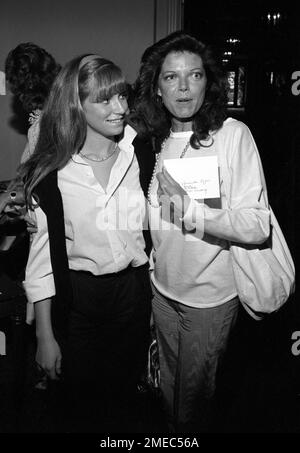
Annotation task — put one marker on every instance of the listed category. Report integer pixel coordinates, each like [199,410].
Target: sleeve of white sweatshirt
[39,281]
[248,219]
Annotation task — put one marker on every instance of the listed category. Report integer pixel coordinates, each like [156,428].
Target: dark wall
[118,29]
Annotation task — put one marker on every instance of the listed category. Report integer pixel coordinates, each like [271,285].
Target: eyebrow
[175,70]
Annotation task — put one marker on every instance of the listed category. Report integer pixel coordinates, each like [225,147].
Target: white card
[198,176]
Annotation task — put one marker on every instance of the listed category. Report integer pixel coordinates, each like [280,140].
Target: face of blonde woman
[107,116]
[181,85]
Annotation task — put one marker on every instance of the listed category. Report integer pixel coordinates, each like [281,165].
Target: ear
[158,92]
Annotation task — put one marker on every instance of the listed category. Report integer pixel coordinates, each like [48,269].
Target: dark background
[271,110]
[262,374]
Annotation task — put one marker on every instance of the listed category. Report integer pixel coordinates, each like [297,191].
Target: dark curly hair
[30,71]
[149,115]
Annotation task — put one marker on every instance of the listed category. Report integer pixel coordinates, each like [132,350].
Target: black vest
[50,201]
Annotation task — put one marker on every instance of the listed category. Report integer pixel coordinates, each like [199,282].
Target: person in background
[13,209]
[11,203]
[180,102]
[30,71]
[87,272]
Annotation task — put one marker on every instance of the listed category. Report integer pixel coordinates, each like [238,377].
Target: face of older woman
[181,85]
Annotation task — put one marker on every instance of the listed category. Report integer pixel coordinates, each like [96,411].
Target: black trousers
[106,350]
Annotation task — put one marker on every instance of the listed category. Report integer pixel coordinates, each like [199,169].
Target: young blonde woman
[87,273]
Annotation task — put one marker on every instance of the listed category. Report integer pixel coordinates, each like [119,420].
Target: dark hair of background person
[63,124]
[148,113]
[30,71]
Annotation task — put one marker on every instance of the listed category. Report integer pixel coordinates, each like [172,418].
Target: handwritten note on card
[198,176]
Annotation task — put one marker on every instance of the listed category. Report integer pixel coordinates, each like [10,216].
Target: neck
[181,125]
[98,145]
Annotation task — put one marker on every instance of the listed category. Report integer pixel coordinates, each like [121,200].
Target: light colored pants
[191,343]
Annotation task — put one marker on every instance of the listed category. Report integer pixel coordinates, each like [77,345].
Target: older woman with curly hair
[180,102]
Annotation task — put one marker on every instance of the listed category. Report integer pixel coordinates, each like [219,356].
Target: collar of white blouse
[125,144]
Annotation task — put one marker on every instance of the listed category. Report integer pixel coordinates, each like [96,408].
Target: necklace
[156,166]
[101,159]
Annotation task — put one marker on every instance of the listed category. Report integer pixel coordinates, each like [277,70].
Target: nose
[119,105]
[183,84]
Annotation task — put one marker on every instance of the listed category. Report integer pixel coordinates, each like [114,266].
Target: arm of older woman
[172,190]
[248,219]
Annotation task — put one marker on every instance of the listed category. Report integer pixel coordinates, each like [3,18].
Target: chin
[116,130]
[119,130]
[184,114]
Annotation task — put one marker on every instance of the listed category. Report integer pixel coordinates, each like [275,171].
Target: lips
[116,121]
[185,100]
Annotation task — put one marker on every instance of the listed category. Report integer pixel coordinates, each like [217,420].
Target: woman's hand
[169,190]
[48,357]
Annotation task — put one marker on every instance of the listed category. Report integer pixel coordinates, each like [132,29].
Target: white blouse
[103,227]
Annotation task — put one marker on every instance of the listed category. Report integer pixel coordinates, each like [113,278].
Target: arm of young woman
[48,354]
[40,288]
